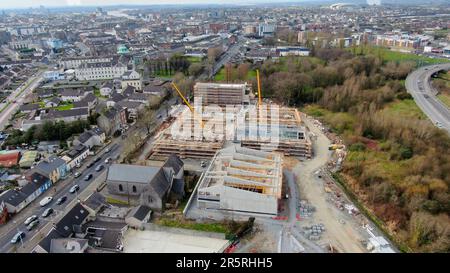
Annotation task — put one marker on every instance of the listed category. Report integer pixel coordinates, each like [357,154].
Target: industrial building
[222,94]
[242,180]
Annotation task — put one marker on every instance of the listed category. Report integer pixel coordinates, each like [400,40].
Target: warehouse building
[242,180]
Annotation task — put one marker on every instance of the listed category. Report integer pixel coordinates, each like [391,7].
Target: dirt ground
[342,230]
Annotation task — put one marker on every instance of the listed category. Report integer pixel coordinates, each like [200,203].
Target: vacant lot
[167,242]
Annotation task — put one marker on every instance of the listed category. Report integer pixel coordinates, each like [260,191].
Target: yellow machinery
[187,103]
[259,87]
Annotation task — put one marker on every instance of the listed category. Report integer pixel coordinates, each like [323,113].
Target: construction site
[266,161]
[242,180]
[201,134]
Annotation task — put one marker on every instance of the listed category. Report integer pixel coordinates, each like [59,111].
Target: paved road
[17,98]
[63,190]
[419,86]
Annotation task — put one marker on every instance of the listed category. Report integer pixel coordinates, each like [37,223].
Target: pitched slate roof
[141,212]
[74,217]
[132,173]
[49,165]
[29,107]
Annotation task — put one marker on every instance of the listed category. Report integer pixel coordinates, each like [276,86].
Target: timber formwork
[165,146]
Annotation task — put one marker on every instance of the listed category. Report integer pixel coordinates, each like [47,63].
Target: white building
[54,75]
[71,63]
[100,71]
[131,78]
[242,180]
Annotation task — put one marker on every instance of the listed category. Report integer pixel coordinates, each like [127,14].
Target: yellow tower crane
[259,87]
[187,103]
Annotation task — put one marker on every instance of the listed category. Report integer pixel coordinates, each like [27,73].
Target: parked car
[90,165]
[61,200]
[30,219]
[99,168]
[97,159]
[108,160]
[78,165]
[44,202]
[107,150]
[74,189]
[77,174]
[33,225]
[87,177]
[47,212]
[18,237]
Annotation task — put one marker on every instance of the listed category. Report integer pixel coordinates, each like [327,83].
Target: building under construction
[222,94]
[242,180]
[201,134]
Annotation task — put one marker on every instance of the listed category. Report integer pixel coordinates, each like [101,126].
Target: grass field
[405,108]
[209,227]
[194,59]
[64,107]
[389,55]
[221,75]
[445,98]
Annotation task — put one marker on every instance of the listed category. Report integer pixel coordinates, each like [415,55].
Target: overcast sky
[59,3]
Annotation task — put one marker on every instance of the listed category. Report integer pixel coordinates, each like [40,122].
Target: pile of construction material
[314,232]
[306,209]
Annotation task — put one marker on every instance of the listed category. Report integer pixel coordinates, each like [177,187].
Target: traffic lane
[418,85]
[114,151]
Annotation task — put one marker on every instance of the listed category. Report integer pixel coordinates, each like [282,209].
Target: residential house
[67,227]
[17,199]
[45,93]
[138,216]
[75,156]
[131,78]
[152,185]
[28,108]
[89,101]
[128,90]
[138,97]
[68,115]
[107,89]
[53,102]
[91,138]
[115,98]
[114,119]
[53,167]
[71,95]
[133,107]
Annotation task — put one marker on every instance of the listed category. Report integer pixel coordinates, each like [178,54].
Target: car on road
[47,212]
[87,177]
[77,174]
[30,219]
[439,125]
[99,168]
[107,150]
[61,200]
[97,159]
[44,202]
[18,237]
[108,160]
[74,189]
[33,225]
[90,165]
